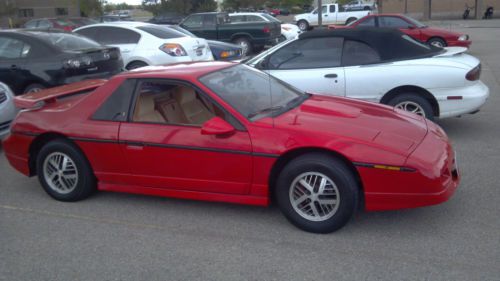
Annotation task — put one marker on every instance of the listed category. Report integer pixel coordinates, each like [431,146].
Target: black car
[31,60]
[167,18]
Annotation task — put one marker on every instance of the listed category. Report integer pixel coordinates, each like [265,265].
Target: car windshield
[67,41]
[253,93]
[270,18]
[416,22]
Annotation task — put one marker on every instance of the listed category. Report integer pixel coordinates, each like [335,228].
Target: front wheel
[317,193]
[303,25]
[413,103]
[437,42]
[245,44]
[64,172]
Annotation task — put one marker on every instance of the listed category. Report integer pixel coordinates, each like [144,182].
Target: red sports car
[435,36]
[226,132]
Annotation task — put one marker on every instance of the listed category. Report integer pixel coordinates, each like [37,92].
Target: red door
[180,157]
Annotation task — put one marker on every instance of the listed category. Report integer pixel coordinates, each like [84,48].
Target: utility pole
[320,13]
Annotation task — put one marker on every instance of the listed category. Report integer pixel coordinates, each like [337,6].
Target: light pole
[320,13]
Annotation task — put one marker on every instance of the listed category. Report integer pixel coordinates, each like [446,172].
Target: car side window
[44,24]
[358,53]
[165,102]
[235,19]
[370,21]
[90,32]
[11,48]
[308,53]
[209,21]
[394,22]
[31,24]
[107,35]
[193,21]
[253,18]
[116,107]
[332,8]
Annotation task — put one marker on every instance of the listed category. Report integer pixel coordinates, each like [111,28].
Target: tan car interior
[176,105]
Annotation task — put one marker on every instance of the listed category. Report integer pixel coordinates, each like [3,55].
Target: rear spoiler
[451,51]
[38,99]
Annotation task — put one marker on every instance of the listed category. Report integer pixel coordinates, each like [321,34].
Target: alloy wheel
[60,172]
[412,107]
[314,196]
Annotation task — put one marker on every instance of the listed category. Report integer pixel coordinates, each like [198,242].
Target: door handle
[135,145]
[331,75]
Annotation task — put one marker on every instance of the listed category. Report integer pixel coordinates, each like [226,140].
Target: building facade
[25,10]
[438,9]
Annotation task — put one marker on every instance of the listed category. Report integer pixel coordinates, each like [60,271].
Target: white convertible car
[380,65]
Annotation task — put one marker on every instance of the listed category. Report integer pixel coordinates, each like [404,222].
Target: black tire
[85,181]
[349,20]
[340,175]
[245,44]
[35,87]
[409,98]
[303,25]
[437,42]
[136,64]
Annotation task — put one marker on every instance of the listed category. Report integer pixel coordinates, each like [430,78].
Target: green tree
[90,8]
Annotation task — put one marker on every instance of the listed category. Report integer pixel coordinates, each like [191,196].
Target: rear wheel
[437,42]
[303,25]
[64,172]
[413,103]
[317,193]
[136,64]
[244,43]
[33,88]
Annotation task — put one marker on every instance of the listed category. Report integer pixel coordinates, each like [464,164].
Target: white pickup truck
[332,14]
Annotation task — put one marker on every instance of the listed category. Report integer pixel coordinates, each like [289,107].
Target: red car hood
[335,117]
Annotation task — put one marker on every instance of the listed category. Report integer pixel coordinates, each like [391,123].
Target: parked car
[113,18]
[284,11]
[226,132]
[332,14]
[288,31]
[78,22]
[380,65]
[144,44]
[359,5]
[31,60]
[251,36]
[50,23]
[167,18]
[435,36]
[220,50]
[8,110]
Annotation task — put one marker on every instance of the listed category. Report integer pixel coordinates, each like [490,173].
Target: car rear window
[162,32]
[67,41]
[63,22]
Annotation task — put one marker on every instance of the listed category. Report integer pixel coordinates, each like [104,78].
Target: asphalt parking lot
[129,237]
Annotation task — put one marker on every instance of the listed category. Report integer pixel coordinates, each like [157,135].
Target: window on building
[25,13]
[61,11]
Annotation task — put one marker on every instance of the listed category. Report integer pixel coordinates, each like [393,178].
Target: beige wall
[41,9]
[440,9]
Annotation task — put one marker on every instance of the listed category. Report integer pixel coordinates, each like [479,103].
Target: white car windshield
[253,93]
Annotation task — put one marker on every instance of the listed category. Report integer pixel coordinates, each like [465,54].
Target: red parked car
[50,23]
[208,131]
[435,36]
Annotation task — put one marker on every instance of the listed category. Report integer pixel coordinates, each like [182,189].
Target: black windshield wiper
[265,110]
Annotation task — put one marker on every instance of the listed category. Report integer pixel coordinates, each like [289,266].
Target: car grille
[5,125]
[3,97]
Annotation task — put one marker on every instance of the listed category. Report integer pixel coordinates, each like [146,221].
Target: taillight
[79,62]
[474,74]
[67,28]
[173,49]
[266,29]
